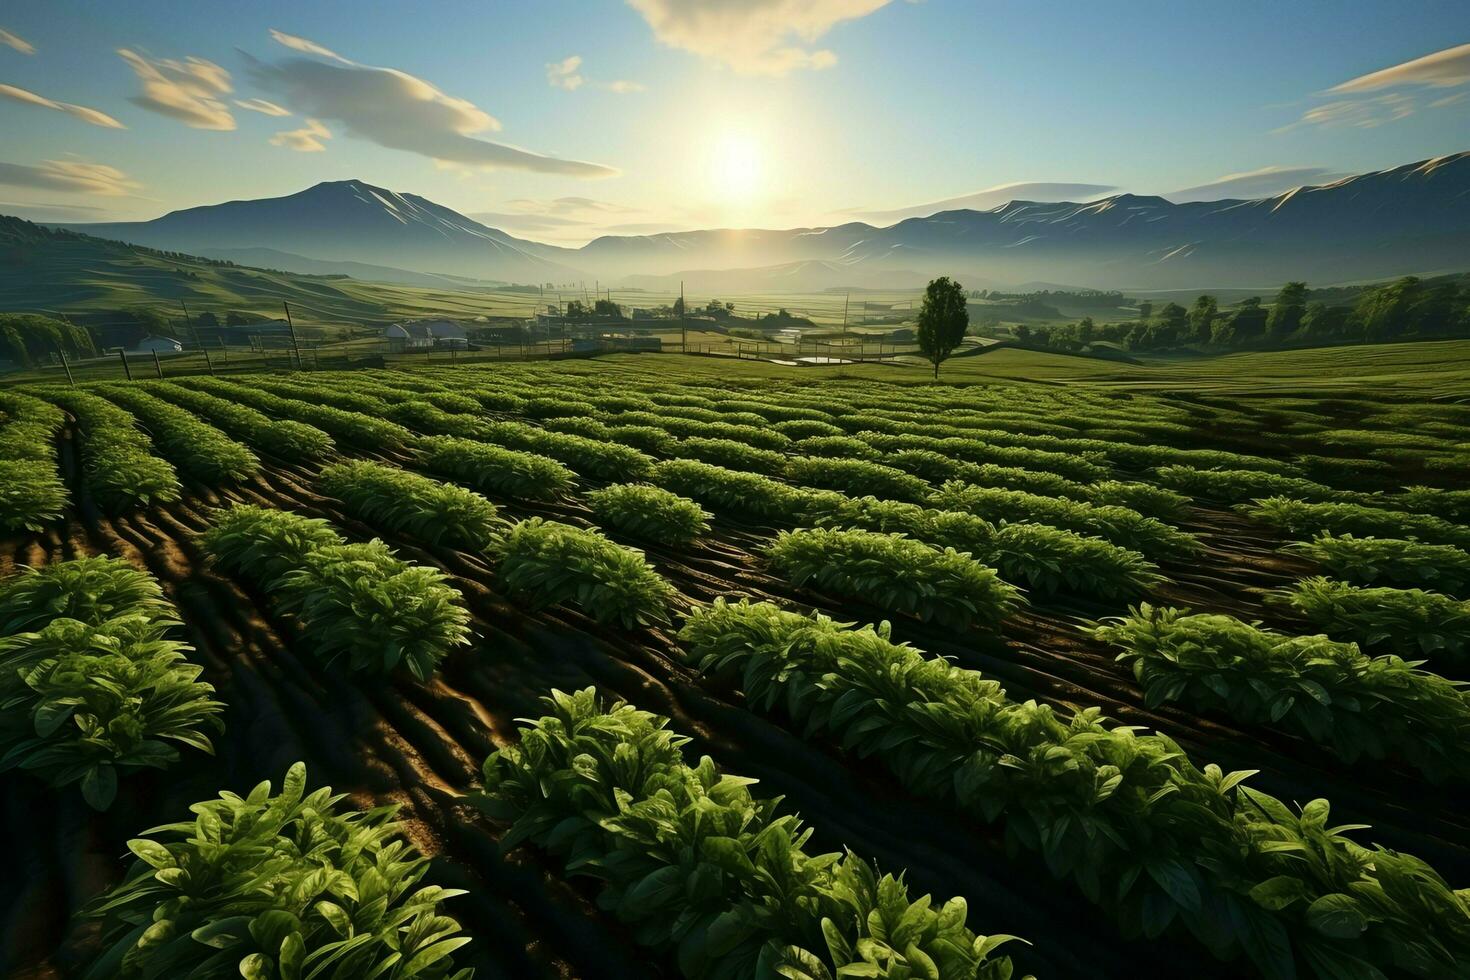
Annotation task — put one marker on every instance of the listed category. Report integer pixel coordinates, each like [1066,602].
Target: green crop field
[670,665]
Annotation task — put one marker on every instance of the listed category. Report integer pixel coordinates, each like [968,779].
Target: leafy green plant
[83,702]
[1145,498]
[549,562]
[280,886]
[361,604]
[1329,692]
[650,513]
[695,864]
[1300,518]
[90,590]
[1409,622]
[367,431]
[744,494]
[197,449]
[590,458]
[495,469]
[388,497]
[32,493]
[895,573]
[840,446]
[1123,814]
[1389,561]
[263,543]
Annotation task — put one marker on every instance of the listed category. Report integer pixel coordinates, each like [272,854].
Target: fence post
[126,370]
[207,362]
[157,364]
[66,367]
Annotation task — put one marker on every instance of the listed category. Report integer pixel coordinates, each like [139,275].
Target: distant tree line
[1408,308]
[28,338]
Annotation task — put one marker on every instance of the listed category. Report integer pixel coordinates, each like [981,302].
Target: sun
[736,169]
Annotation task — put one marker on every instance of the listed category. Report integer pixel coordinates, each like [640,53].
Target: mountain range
[1410,219]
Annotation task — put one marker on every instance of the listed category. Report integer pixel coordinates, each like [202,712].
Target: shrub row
[1409,622]
[1120,525]
[548,562]
[1125,815]
[117,457]
[355,602]
[701,869]
[494,469]
[294,442]
[90,685]
[391,498]
[354,428]
[747,495]
[1389,561]
[587,457]
[895,573]
[1300,518]
[650,513]
[196,449]
[32,493]
[1329,692]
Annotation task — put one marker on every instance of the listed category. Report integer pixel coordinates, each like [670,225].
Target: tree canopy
[943,320]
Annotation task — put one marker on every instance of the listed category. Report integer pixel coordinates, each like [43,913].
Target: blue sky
[696,113]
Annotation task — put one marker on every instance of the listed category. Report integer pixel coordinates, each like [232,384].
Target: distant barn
[424,334]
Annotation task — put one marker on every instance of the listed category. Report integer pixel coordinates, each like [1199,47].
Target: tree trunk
[936,370]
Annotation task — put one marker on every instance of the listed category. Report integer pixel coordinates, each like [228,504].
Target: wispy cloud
[397,110]
[564,74]
[1252,184]
[190,91]
[262,106]
[1367,113]
[764,37]
[307,139]
[15,41]
[567,74]
[1443,68]
[47,211]
[94,116]
[1350,107]
[76,176]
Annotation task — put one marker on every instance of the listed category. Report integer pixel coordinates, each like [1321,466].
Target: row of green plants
[431,511]
[587,457]
[1125,815]
[494,469]
[197,449]
[294,442]
[1240,486]
[1409,622]
[1389,561]
[1040,558]
[1122,526]
[91,685]
[548,562]
[1302,519]
[118,461]
[649,513]
[704,873]
[352,428]
[895,573]
[356,602]
[746,495]
[32,493]
[1329,692]
[284,886]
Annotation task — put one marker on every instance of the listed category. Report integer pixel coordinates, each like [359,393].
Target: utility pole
[189,322]
[292,327]
[683,322]
[846,300]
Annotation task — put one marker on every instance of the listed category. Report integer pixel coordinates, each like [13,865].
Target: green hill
[53,271]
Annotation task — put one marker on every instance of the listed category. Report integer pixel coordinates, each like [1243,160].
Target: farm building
[424,334]
[161,345]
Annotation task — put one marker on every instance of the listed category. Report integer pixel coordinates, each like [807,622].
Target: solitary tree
[943,320]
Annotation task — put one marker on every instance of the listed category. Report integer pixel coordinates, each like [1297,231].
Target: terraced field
[1167,678]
